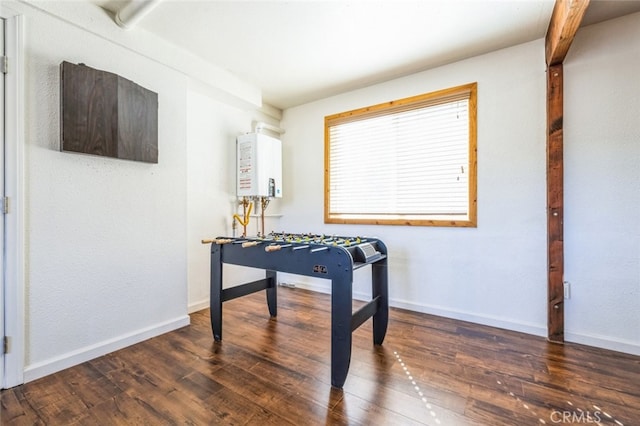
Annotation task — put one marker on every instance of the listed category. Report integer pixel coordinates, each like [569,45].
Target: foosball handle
[272,247]
[216,240]
[250,244]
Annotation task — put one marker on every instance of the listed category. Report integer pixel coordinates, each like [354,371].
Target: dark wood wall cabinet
[105,114]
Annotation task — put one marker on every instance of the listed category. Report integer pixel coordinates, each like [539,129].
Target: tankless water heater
[259,166]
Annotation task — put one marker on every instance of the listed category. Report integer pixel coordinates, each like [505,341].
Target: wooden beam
[565,20]
[555,204]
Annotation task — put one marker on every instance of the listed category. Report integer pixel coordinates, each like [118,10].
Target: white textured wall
[211,157]
[496,274]
[602,184]
[112,250]
[212,128]
[106,239]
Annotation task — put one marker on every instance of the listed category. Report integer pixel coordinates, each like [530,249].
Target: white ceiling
[298,51]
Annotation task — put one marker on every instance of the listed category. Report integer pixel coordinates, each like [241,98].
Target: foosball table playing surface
[329,257]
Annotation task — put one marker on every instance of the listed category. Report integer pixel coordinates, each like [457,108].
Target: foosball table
[329,257]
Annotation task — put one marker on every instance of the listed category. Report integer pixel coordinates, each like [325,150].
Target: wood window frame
[386,108]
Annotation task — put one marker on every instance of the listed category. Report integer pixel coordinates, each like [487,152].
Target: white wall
[106,240]
[106,247]
[490,274]
[602,184]
[496,274]
[112,247]
[211,160]
[212,128]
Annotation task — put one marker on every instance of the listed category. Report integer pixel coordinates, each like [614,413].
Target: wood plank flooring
[429,371]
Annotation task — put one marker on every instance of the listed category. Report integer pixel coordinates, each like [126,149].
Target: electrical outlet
[567,290]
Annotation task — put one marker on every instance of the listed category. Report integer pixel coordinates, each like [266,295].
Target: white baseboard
[53,365]
[311,287]
[487,320]
[443,312]
[198,306]
[604,342]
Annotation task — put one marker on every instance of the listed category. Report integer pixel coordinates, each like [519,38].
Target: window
[406,162]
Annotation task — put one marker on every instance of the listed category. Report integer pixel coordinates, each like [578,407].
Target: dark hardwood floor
[430,370]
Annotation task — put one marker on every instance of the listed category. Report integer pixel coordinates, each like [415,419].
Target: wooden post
[555,189]
[565,21]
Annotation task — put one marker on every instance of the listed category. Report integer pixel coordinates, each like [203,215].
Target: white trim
[487,320]
[14,189]
[53,365]
[2,277]
[604,342]
[443,312]
[198,306]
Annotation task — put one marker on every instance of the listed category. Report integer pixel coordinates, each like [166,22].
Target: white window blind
[408,162]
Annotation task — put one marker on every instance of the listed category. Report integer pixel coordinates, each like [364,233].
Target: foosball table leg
[341,306]
[215,294]
[272,293]
[380,288]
